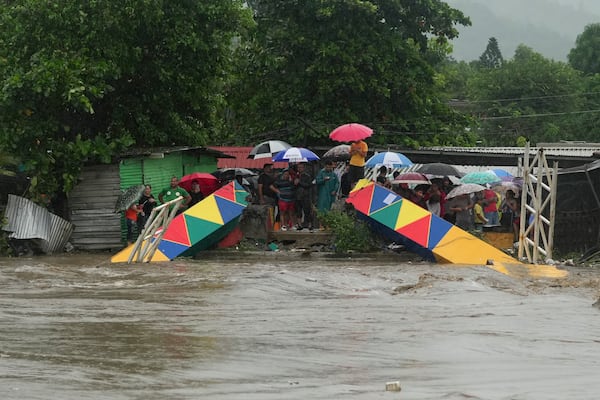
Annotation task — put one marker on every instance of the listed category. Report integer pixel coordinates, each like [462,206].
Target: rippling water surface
[78,327]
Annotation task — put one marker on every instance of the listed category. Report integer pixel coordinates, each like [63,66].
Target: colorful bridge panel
[203,221]
[447,242]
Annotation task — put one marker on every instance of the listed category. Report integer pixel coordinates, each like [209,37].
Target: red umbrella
[208,182]
[350,133]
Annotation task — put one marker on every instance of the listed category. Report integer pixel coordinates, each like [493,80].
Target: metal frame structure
[147,242]
[539,193]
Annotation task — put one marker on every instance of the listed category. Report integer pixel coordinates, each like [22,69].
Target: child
[131,216]
[479,215]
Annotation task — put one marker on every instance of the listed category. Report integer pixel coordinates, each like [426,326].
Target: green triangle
[240,196]
[198,228]
[388,216]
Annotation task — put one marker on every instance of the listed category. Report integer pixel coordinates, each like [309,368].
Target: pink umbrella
[350,133]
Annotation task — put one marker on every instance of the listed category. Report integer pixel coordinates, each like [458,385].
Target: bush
[349,234]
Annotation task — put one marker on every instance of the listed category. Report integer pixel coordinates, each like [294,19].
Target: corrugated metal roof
[555,149]
[27,220]
[241,159]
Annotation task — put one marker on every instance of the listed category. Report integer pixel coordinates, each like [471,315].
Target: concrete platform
[303,238]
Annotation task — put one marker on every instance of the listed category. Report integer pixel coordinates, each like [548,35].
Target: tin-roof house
[92,201]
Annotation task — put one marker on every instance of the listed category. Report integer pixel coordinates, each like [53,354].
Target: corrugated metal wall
[92,203]
[97,226]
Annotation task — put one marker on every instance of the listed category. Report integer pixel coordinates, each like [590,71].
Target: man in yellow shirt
[358,153]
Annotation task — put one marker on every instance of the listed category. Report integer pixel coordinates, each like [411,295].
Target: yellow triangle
[361,184]
[409,212]
[123,255]
[207,210]
[159,256]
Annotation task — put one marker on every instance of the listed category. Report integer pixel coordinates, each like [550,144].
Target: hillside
[549,27]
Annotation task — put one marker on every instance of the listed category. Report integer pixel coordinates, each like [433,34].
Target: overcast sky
[549,27]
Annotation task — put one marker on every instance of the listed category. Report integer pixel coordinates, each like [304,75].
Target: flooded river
[78,327]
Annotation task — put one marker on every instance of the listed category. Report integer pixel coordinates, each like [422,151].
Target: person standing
[286,191]
[358,153]
[131,216]
[173,192]
[382,178]
[462,207]
[304,197]
[345,184]
[490,206]
[265,180]
[147,203]
[196,193]
[327,186]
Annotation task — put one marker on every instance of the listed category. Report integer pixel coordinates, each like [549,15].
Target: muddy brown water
[78,327]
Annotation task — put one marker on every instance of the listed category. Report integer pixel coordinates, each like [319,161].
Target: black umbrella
[229,174]
[439,169]
[338,153]
[128,197]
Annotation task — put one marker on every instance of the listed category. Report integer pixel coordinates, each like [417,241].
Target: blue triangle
[229,210]
[382,197]
[438,228]
[171,249]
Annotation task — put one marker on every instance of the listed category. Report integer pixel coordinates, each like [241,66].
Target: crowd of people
[469,211]
[303,190]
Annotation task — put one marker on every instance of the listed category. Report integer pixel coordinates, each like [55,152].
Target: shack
[92,201]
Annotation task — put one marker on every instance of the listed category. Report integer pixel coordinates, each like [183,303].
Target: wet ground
[78,327]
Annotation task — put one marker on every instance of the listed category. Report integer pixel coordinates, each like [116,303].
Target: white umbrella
[465,188]
[268,149]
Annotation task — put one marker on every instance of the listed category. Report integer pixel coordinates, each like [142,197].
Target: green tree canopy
[585,56]
[316,64]
[528,96]
[491,57]
[83,79]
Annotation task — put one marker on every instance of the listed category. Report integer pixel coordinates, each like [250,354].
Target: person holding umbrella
[358,154]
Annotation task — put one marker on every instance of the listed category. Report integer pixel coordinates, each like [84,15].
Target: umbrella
[389,158]
[480,177]
[296,154]
[268,149]
[501,173]
[128,197]
[439,169]
[208,182]
[504,186]
[350,133]
[465,188]
[228,174]
[338,153]
[412,177]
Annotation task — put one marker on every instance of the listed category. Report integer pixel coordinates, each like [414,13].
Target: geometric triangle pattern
[446,241]
[382,198]
[204,220]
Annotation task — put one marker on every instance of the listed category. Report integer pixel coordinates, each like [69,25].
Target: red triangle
[227,192]
[417,231]
[361,199]
[177,231]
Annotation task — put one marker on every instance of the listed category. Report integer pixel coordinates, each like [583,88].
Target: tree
[83,80]
[527,96]
[585,56]
[491,57]
[313,65]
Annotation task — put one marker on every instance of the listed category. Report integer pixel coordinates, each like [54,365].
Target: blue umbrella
[389,159]
[296,154]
